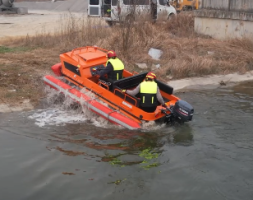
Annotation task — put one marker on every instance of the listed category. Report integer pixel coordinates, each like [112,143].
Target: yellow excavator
[185,5]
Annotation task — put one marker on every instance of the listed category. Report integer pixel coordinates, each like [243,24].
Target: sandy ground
[37,21]
[41,17]
[79,6]
[25,105]
[45,16]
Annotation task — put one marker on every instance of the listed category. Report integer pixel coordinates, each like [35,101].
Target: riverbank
[188,60]
[188,84]
[210,82]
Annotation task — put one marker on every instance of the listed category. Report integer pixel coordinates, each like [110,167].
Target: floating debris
[68,173]
[222,83]
[70,153]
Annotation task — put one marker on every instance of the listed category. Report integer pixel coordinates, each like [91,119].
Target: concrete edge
[213,81]
[208,82]
[223,14]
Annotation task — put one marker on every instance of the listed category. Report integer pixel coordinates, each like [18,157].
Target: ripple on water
[208,158]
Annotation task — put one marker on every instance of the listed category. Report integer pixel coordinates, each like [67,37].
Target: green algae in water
[149,155]
[147,167]
[117,182]
[116,161]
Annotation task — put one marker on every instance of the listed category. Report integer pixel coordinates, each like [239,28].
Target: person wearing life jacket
[114,67]
[149,93]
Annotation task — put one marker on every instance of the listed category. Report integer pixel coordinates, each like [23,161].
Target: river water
[57,153]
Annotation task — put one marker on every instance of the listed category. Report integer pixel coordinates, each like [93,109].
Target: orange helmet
[151,75]
[111,54]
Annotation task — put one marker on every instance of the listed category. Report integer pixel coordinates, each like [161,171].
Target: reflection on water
[124,147]
[120,147]
[183,135]
[244,88]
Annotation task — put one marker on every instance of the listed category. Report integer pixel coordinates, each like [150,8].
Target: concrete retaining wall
[224,19]
[215,4]
[224,28]
[223,14]
[241,5]
[229,5]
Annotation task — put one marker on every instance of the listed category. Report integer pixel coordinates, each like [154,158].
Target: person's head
[111,54]
[150,76]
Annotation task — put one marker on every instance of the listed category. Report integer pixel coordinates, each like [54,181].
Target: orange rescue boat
[78,78]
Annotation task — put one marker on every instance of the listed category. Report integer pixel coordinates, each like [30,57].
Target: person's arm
[159,96]
[134,91]
[106,70]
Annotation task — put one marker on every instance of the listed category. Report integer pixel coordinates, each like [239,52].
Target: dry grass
[182,26]
[21,73]
[185,54]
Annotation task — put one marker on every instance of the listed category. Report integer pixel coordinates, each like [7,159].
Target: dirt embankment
[26,54]
[22,67]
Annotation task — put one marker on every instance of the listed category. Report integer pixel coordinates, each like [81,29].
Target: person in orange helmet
[149,93]
[114,67]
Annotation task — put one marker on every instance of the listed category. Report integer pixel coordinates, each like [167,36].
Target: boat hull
[93,105]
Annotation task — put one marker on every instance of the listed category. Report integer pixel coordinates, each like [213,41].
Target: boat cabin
[77,67]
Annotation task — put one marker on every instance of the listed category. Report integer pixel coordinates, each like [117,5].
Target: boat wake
[61,110]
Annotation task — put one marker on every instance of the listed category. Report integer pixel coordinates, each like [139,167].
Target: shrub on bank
[185,53]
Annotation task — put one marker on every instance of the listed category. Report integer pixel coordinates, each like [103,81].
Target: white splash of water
[151,126]
[56,116]
[93,117]
[63,110]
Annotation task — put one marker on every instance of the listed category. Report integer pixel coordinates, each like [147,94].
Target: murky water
[54,153]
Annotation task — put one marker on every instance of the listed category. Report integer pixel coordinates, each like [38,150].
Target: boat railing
[126,97]
[104,85]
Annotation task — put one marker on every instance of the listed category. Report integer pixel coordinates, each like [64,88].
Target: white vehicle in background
[117,10]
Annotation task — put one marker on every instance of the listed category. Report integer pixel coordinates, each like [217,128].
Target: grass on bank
[185,53]
[4,49]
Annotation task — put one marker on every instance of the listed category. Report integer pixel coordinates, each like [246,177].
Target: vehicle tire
[190,8]
[110,23]
[129,19]
[171,16]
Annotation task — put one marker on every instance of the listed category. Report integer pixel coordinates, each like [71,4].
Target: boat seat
[130,82]
[134,81]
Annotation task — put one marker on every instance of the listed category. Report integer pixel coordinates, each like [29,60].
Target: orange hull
[76,67]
